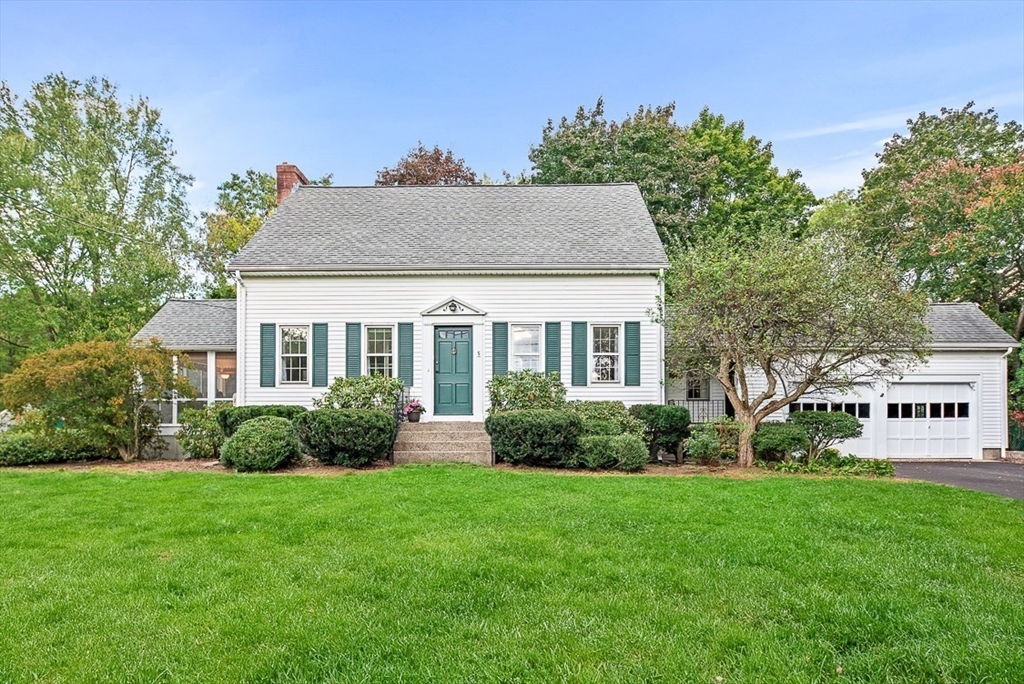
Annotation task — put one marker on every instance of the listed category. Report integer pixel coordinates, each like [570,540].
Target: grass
[422,574]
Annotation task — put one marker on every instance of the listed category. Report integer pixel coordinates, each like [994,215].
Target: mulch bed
[314,468]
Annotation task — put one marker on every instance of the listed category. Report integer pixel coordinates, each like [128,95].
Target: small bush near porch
[422,574]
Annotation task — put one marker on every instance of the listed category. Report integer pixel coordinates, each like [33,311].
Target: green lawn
[460,574]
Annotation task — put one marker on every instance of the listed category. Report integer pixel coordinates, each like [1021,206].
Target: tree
[775,317]
[427,167]
[105,389]
[965,237]
[244,203]
[931,207]
[695,180]
[826,428]
[93,215]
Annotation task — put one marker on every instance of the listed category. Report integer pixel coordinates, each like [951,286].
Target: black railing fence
[401,399]
[702,410]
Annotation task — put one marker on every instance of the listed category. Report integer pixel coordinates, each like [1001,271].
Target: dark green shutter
[353,349]
[268,352]
[319,355]
[552,347]
[579,354]
[405,353]
[632,354]
[499,349]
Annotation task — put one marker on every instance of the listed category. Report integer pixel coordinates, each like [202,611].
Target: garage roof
[964,326]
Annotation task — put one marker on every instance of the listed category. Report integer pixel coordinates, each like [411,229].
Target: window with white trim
[380,358]
[605,353]
[294,353]
[210,388]
[525,347]
[698,387]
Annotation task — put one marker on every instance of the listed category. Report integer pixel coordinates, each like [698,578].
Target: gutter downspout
[1006,394]
[240,365]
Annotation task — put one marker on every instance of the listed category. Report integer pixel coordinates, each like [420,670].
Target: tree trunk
[745,452]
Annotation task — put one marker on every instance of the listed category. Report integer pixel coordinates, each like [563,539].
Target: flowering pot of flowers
[413,410]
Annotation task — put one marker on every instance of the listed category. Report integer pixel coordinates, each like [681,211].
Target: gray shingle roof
[444,227]
[193,324]
[964,325]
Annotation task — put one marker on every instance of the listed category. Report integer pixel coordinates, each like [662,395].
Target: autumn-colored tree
[964,234]
[427,167]
[104,389]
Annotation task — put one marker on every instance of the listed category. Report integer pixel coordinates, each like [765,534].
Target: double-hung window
[698,387]
[525,347]
[380,359]
[294,353]
[605,353]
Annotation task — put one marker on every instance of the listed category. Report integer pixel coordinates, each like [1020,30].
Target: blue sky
[348,88]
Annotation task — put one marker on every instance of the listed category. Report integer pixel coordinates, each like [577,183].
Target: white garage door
[930,421]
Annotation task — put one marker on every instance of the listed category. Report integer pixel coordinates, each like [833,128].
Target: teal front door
[453,371]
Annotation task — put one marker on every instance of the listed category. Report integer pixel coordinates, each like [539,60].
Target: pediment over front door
[453,306]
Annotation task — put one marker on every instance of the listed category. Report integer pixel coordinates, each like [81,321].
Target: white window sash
[616,355]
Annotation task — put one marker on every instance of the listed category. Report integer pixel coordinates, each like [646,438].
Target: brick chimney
[288,178]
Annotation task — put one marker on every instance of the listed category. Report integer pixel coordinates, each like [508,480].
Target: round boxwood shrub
[665,427]
[611,452]
[263,443]
[346,437]
[534,437]
[231,418]
[779,441]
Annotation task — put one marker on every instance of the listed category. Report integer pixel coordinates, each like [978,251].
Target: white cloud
[897,120]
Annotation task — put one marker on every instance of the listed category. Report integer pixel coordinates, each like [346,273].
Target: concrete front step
[442,442]
[478,457]
[419,444]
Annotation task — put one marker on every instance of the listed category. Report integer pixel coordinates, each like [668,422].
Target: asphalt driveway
[1005,479]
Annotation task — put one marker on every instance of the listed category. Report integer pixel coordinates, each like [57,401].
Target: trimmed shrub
[705,445]
[534,437]
[610,452]
[262,443]
[201,434]
[779,441]
[346,437]
[606,418]
[525,389]
[231,418]
[22,447]
[826,428]
[364,392]
[665,427]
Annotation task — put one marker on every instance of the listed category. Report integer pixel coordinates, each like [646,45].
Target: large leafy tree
[696,180]
[94,224]
[774,317]
[244,202]
[427,167]
[943,205]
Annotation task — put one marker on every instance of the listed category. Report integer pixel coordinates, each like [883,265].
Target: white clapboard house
[445,287]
